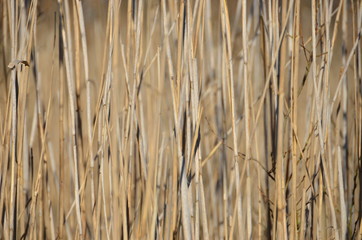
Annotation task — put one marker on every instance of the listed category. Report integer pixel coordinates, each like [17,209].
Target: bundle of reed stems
[181,119]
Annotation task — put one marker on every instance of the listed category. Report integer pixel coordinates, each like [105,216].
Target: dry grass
[198,119]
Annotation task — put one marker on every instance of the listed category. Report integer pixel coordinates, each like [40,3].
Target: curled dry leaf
[15,62]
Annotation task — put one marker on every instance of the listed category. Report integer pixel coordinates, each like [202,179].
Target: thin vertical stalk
[71,93]
[80,15]
[229,64]
[294,117]
[247,120]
